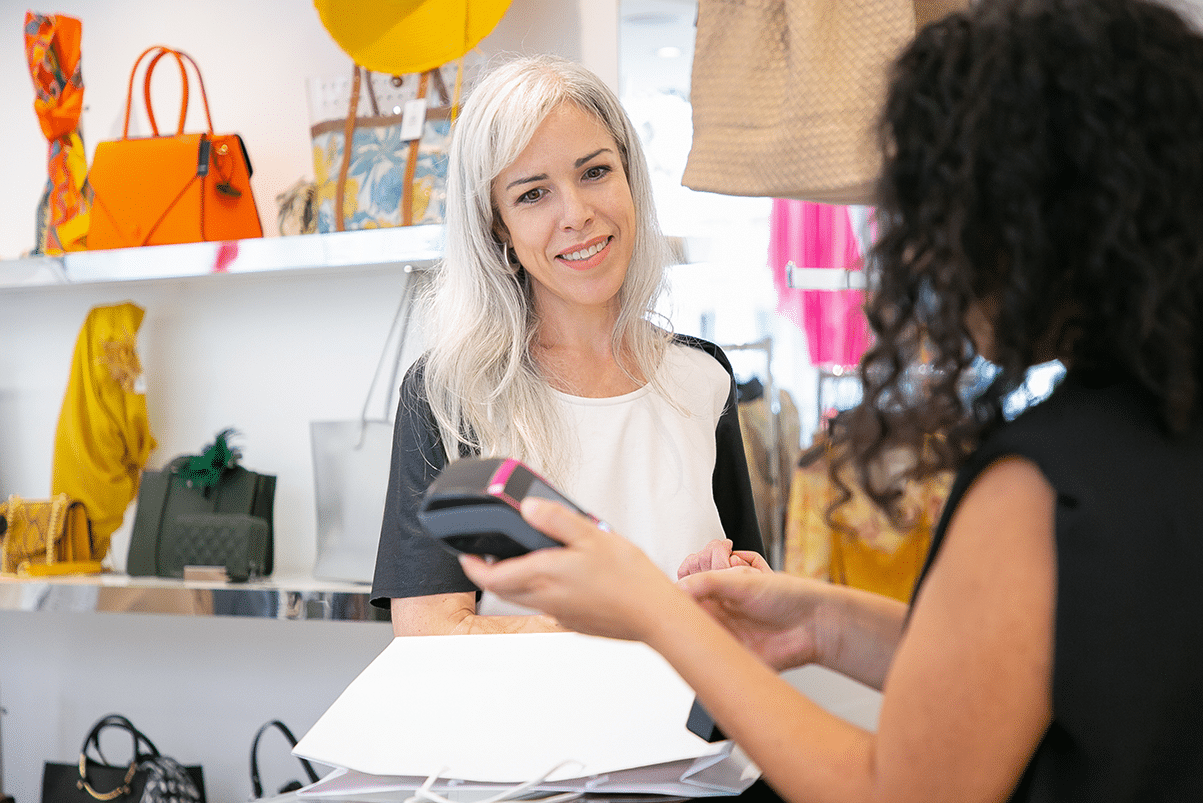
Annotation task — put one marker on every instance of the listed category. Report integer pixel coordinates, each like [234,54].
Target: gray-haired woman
[544,348]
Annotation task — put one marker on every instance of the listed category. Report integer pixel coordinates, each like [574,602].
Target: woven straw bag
[786,94]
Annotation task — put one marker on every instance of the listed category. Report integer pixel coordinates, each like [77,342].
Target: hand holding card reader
[473,507]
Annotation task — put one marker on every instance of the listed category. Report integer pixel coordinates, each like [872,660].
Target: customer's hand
[777,616]
[597,583]
[719,554]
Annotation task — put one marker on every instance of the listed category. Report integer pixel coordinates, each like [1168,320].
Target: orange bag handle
[150,112]
[159,51]
[200,81]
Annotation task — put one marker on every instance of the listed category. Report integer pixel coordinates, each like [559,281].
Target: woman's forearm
[455,614]
[858,632]
[762,712]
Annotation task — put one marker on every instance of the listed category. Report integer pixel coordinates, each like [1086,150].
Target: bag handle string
[400,325]
[180,56]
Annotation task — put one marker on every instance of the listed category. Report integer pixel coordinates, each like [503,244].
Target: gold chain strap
[58,509]
[14,505]
[8,513]
[83,785]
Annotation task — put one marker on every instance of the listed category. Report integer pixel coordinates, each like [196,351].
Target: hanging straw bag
[786,94]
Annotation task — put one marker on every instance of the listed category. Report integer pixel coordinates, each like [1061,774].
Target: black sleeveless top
[1128,651]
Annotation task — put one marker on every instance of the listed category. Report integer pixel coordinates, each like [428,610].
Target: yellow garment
[755,425]
[878,557]
[103,438]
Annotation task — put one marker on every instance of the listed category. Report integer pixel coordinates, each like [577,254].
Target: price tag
[413,119]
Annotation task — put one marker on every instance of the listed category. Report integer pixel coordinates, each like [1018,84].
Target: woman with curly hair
[1042,198]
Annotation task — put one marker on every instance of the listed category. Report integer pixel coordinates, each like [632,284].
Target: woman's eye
[596,172]
[530,196]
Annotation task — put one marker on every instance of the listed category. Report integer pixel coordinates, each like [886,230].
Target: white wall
[266,354]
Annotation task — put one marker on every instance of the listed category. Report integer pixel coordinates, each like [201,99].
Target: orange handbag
[180,188]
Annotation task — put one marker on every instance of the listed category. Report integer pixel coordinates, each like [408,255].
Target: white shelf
[412,246]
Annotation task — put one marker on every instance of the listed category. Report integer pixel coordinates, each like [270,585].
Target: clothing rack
[775,538]
[833,387]
[3,797]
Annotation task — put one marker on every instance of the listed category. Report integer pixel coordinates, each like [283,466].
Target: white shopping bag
[350,481]
[351,461]
[487,712]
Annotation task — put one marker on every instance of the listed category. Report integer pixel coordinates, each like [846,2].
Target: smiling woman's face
[566,209]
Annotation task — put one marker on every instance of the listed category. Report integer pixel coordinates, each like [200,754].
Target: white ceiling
[647,26]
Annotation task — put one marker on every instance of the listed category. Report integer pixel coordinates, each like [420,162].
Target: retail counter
[272,598]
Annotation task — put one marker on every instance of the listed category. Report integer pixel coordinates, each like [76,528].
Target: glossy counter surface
[273,598]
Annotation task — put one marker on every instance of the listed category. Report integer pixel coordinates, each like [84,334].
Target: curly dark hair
[1044,172]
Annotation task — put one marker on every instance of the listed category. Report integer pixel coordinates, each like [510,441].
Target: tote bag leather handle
[185,88]
[340,188]
[256,783]
[360,77]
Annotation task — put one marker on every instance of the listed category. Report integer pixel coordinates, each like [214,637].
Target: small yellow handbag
[50,536]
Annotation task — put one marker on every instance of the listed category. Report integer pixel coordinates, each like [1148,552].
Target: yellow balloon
[408,36]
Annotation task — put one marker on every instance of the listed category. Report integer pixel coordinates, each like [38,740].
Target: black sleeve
[732,485]
[409,563]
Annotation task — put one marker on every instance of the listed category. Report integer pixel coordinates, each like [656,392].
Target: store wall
[264,353]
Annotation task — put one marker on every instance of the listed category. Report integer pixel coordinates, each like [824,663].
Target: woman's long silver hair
[484,386]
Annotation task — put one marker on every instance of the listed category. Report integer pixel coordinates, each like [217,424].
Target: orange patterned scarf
[52,48]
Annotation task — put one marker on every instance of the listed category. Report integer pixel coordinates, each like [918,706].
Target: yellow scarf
[103,438]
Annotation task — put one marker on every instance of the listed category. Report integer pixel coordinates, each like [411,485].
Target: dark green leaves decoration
[206,468]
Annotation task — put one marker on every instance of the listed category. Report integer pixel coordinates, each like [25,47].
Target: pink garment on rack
[814,235]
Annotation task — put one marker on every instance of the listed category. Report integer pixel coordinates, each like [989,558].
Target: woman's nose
[576,211]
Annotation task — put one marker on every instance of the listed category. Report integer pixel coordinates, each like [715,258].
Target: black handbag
[149,777]
[219,487]
[291,786]
[233,542]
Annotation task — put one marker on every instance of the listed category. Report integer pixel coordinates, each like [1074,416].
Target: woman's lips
[587,256]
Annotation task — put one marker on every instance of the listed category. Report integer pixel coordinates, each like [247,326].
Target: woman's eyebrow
[584,159]
[527,180]
[543,176]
